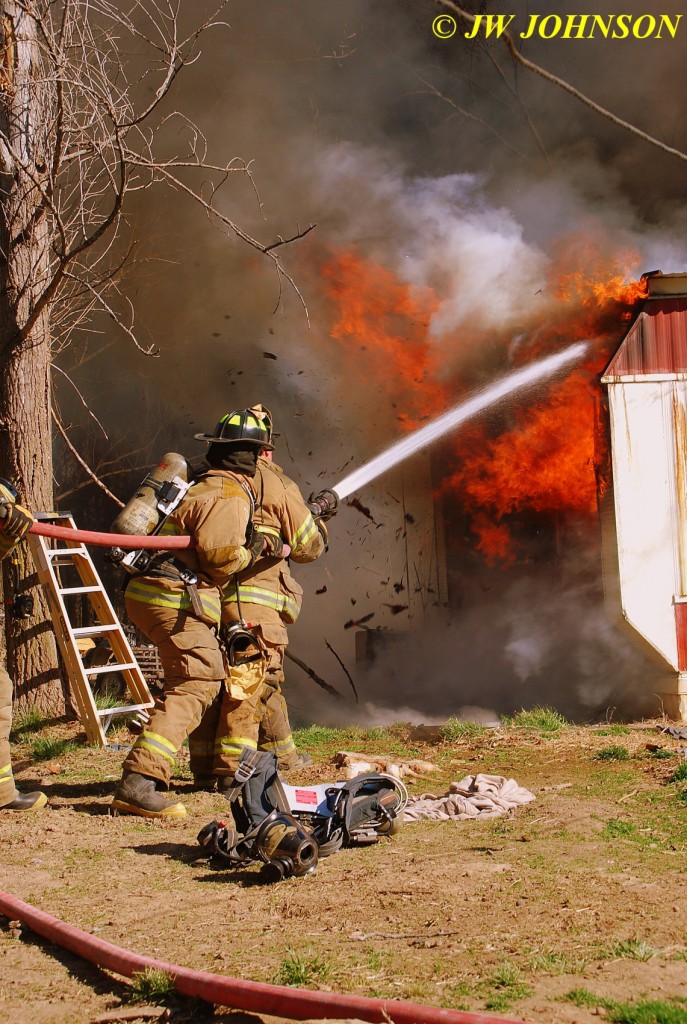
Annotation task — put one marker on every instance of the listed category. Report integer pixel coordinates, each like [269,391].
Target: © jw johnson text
[564,26]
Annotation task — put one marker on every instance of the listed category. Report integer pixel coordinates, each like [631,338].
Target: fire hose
[322,505]
[121,540]
[106,540]
[249,996]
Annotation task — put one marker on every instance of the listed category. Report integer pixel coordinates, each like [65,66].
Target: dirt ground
[547,914]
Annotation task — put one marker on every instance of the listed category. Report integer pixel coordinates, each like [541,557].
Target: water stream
[438,428]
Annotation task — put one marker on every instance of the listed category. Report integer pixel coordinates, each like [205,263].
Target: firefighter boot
[136,794]
[302,761]
[224,783]
[205,783]
[26,802]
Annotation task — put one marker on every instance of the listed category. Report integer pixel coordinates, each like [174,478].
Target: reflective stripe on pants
[193,667]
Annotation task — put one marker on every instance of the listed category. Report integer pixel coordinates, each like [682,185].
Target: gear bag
[286,828]
[270,834]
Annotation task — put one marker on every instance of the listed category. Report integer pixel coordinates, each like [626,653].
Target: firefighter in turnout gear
[268,598]
[176,604]
[15,523]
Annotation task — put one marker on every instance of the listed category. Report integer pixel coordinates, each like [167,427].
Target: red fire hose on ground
[250,996]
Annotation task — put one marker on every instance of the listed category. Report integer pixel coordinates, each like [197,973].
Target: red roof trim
[655,344]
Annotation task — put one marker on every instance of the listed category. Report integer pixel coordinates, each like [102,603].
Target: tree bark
[25,356]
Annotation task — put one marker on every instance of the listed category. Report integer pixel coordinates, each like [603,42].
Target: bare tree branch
[566,86]
[101,142]
[434,91]
[82,462]
[85,404]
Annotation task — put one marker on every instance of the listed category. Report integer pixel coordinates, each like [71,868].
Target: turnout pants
[194,667]
[275,726]
[231,723]
[257,718]
[8,790]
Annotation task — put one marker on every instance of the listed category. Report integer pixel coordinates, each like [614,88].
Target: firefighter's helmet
[245,426]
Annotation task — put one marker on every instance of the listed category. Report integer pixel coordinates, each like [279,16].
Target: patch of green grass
[104,701]
[633,949]
[302,969]
[316,736]
[455,729]
[555,963]
[27,721]
[541,717]
[376,960]
[151,986]
[461,989]
[616,829]
[45,749]
[660,1011]
[614,730]
[376,733]
[658,828]
[680,773]
[616,752]
[506,975]
[662,754]
[508,987]
[582,998]
[500,1001]
[324,740]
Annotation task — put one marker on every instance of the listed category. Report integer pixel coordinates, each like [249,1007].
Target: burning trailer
[645,543]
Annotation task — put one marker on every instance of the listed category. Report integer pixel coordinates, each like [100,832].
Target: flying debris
[359,622]
[396,609]
[354,503]
[268,355]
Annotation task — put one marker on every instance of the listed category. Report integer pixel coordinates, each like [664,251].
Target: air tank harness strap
[173,569]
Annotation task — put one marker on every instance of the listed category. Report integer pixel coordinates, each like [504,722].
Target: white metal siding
[648,513]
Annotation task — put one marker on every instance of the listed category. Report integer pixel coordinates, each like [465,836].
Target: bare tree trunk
[25,434]
[80,128]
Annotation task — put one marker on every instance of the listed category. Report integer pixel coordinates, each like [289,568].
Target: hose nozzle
[323,505]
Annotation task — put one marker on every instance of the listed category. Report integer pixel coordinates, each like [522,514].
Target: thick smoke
[437,161]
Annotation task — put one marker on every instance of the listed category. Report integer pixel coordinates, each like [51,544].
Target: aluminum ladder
[65,569]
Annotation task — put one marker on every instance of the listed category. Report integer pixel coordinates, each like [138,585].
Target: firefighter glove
[17,522]
[256,546]
[324,532]
[274,546]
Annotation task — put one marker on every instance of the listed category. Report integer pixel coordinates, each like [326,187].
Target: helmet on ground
[8,492]
[252,426]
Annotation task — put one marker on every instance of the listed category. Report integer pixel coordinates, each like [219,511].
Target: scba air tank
[155,496]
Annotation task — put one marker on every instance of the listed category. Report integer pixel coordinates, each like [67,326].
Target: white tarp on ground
[474,796]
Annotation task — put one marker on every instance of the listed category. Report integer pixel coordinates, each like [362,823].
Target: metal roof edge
[642,378]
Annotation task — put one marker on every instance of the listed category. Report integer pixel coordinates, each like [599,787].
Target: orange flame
[544,462]
[386,322]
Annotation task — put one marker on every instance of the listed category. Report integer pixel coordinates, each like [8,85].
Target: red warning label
[306,796]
